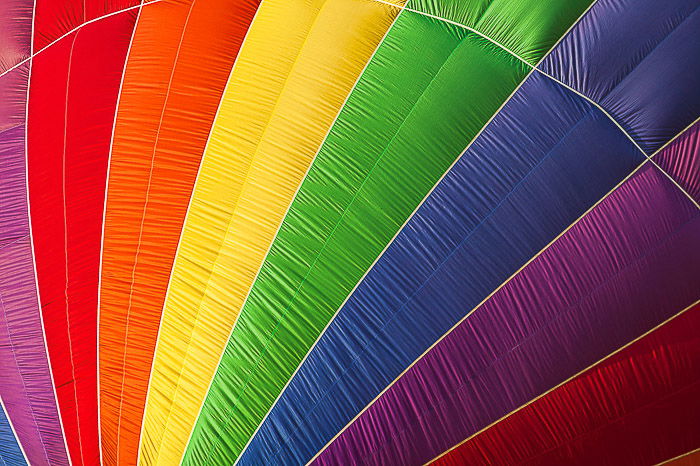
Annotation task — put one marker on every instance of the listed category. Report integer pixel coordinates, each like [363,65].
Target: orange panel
[180,60]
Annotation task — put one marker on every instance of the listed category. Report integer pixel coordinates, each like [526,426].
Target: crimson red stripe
[53,18]
[72,102]
[640,406]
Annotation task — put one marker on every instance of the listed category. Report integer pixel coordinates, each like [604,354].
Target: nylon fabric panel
[15,33]
[10,452]
[15,37]
[682,161]
[271,123]
[527,28]
[72,103]
[411,114]
[53,18]
[646,81]
[25,385]
[180,59]
[626,267]
[636,407]
[548,153]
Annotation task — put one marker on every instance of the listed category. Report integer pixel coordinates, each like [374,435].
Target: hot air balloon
[334,232]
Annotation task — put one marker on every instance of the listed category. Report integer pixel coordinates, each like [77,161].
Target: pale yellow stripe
[298,64]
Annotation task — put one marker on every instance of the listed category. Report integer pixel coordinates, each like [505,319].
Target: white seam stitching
[28,235]
[31,242]
[458,323]
[16,240]
[65,249]
[619,126]
[531,335]
[514,54]
[688,453]
[182,231]
[43,49]
[14,432]
[668,175]
[279,227]
[330,128]
[532,69]
[438,266]
[24,387]
[102,233]
[143,219]
[245,184]
[566,381]
[400,229]
[463,26]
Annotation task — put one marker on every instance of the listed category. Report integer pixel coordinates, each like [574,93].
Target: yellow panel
[297,66]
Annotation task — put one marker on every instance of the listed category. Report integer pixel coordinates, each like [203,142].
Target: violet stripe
[25,381]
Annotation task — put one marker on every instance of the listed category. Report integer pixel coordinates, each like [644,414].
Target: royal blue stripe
[10,454]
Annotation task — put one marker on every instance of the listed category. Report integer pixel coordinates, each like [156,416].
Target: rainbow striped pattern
[349,232]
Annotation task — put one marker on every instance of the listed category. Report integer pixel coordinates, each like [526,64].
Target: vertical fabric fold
[26,387]
[409,117]
[72,102]
[271,123]
[180,59]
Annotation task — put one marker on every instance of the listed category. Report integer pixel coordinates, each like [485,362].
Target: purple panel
[25,384]
[13,208]
[639,60]
[681,160]
[630,264]
[15,32]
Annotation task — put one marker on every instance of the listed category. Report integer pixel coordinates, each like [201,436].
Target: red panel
[640,406]
[72,102]
[53,18]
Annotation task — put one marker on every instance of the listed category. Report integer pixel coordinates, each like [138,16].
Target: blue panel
[640,59]
[543,161]
[10,454]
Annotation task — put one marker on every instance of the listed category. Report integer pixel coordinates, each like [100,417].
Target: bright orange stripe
[180,59]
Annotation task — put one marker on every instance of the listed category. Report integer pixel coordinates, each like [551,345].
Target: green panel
[527,27]
[428,91]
